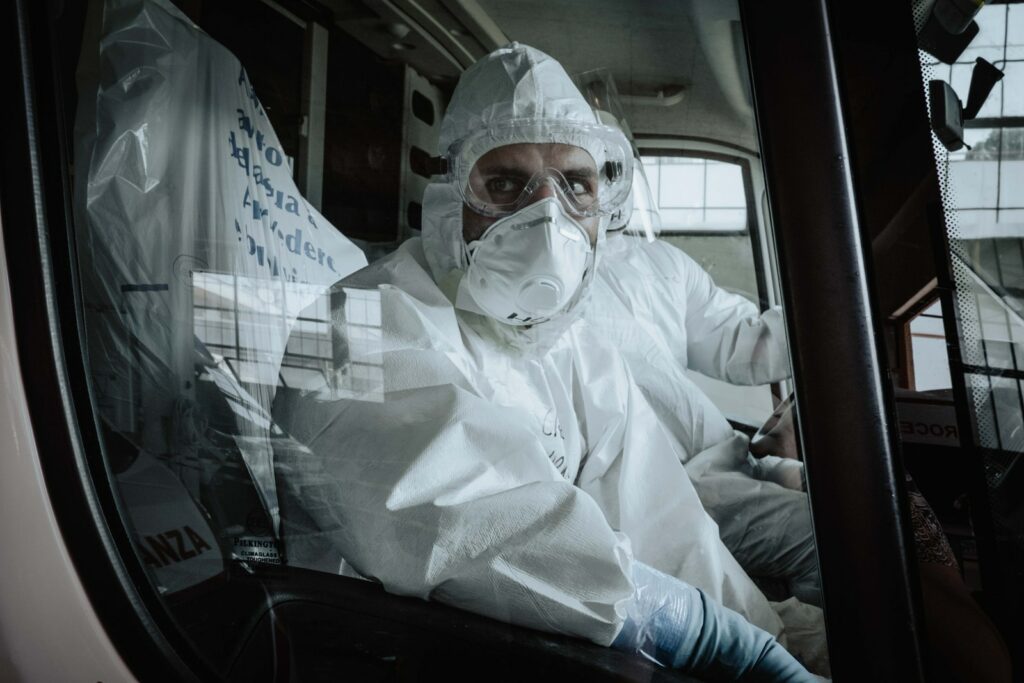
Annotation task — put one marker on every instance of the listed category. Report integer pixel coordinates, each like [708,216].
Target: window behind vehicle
[707,210]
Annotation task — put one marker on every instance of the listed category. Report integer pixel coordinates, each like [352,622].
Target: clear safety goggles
[640,215]
[589,167]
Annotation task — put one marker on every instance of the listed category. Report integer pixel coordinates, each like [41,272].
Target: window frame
[858,497]
[34,194]
[758,228]
[759,231]
[748,189]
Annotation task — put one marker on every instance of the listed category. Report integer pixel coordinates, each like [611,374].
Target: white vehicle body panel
[48,629]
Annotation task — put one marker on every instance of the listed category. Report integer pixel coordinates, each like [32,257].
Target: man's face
[501,174]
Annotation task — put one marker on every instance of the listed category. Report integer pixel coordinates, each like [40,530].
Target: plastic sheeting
[198,257]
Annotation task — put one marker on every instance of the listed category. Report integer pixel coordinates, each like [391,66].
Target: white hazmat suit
[665,314]
[513,471]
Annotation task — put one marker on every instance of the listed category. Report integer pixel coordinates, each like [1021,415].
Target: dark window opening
[422,108]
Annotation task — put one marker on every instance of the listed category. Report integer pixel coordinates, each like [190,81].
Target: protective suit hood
[521,85]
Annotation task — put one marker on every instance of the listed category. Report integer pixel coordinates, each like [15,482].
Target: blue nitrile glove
[680,627]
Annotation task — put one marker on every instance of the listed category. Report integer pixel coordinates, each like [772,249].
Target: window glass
[515,414]
[1014,32]
[206,286]
[987,176]
[695,194]
[244,28]
[984,210]
[928,348]
[713,230]
[1013,87]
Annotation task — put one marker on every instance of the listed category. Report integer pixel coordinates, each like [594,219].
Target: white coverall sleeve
[633,472]
[440,494]
[726,337]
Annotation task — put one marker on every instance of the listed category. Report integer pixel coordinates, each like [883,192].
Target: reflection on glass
[1013,87]
[291,335]
[960,79]
[362,377]
[984,207]
[991,29]
[986,181]
[1000,40]
[976,181]
[491,457]
[989,308]
[1015,32]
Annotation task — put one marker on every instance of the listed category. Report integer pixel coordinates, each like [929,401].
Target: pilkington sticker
[257,549]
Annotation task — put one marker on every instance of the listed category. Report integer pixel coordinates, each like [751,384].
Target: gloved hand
[680,627]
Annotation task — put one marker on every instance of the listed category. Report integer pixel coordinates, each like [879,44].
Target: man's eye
[504,186]
[580,187]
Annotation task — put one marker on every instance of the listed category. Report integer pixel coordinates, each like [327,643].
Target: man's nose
[544,190]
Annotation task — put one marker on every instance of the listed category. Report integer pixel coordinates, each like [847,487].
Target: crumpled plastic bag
[196,250]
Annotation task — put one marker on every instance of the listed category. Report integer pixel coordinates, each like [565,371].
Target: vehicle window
[706,211]
[929,358]
[243,28]
[703,205]
[453,384]
[983,219]
[206,290]
[984,237]
[698,194]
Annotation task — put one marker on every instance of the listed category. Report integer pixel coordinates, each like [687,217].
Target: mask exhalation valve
[540,296]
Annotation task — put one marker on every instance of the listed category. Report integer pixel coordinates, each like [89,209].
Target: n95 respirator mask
[527,266]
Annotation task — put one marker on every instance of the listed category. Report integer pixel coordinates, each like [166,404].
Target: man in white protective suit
[509,465]
[666,315]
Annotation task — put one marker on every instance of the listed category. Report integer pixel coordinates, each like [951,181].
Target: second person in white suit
[508,464]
